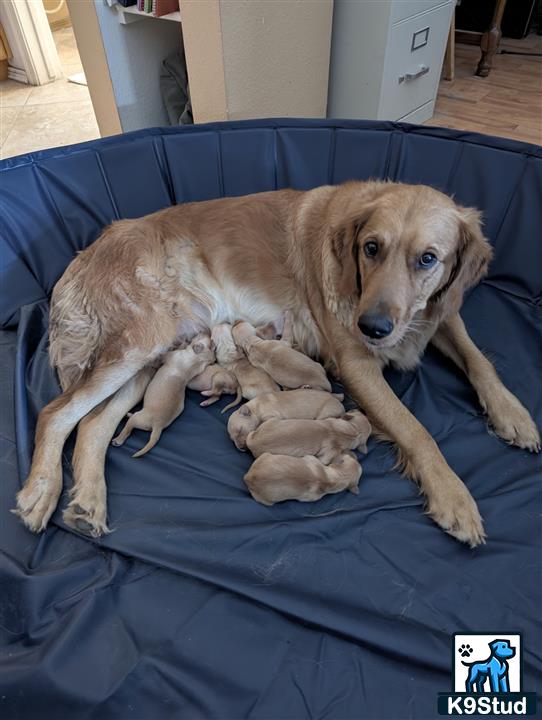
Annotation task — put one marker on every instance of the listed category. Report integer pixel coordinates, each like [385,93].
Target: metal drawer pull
[424,69]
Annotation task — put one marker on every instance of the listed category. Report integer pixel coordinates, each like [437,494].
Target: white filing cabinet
[386,58]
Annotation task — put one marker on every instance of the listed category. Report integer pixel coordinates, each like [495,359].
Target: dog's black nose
[375,326]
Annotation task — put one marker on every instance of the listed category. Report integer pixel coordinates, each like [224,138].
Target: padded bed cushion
[203,603]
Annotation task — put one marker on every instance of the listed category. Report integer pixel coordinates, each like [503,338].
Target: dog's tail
[237,400]
[155,436]
[76,335]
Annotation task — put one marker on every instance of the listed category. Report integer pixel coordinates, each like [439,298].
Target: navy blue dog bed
[202,603]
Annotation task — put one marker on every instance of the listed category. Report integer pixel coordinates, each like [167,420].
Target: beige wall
[257,58]
[202,36]
[276,57]
[57,16]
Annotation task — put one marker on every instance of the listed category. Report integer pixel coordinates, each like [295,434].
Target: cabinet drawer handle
[424,69]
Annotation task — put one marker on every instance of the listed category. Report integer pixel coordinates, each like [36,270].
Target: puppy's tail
[155,436]
[237,400]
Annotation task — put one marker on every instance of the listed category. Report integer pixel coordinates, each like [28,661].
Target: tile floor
[60,113]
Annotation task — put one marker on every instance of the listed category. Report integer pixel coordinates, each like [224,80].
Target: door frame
[31,42]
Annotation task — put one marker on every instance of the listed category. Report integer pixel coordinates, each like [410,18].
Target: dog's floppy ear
[472,258]
[245,411]
[342,280]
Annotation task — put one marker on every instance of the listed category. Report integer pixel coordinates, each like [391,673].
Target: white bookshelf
[127,15]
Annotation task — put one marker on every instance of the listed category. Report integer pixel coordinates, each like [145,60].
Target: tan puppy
[213,382]
[252,381]
[325,439]
[297,404]
[274,478]
[286,366]
[219,376]
[164,398]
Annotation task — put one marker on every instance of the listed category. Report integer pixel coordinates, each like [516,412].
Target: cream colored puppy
[213,382]
[164,398]
[274,478]
[325,439]
[252,381]
[286,366]
[297,404]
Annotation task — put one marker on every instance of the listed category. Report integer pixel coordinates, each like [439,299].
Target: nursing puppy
[274,478]
[286,366]
[213,382]
[252,381]
[164,398]
[296,404]
[325,439]
[218,379]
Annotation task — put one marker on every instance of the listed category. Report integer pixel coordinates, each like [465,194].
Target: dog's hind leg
[38,498]
[87,510]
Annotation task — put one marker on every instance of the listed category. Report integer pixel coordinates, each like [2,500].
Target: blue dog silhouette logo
[487,676]
[490,674]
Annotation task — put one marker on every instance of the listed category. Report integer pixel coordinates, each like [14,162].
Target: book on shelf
[164,7]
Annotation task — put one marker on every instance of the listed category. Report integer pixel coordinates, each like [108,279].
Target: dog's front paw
[453,508]
[87,511]
[509,420]
[37,501]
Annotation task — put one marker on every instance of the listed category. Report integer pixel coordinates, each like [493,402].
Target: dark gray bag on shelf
[174,89]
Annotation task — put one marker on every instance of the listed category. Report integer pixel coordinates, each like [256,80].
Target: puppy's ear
[199,347]
[268,331]
[472,259]
[245,411]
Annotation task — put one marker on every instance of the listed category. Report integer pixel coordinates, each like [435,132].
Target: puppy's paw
[454,509]
[38,499]
[508,419]
[87,511]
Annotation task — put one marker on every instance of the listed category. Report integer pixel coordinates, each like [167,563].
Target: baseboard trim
[18,75]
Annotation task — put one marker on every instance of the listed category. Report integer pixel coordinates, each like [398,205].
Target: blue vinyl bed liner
[202,603]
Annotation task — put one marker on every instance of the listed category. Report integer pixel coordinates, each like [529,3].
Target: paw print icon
[465,650]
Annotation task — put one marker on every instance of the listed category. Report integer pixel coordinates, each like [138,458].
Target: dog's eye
[427,260]
[370,248]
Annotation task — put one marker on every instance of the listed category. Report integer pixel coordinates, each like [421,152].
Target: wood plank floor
[507,103]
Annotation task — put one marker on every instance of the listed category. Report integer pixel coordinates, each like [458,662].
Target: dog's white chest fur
[238,303]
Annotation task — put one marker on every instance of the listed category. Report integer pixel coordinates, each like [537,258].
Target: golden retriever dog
[370,271]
